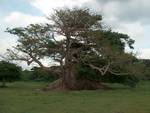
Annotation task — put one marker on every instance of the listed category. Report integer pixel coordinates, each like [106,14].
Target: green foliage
[146,72]
[39,74]
[9,72]
[75,21]
[117,40]
[129,80]
[86,73]
[26,75]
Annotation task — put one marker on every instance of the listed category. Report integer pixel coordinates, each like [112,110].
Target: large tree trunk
[68,75]
[66,82]
[68,78]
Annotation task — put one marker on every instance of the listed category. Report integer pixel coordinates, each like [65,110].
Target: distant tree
[26,75]
[9,72]
[40,74]
[146,72]
[74,36]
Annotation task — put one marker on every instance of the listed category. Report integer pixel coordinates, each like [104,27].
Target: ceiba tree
[72,37]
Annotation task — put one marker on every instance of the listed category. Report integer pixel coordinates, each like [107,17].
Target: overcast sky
[126,16]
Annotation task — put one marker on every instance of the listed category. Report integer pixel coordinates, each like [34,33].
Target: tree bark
[68,76]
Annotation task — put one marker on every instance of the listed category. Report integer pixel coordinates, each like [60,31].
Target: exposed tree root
[91,85]
[56,85]
[59,85]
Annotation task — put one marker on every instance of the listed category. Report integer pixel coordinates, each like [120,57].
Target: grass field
[22,97]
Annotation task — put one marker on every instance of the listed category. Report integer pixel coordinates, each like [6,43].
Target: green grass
[22,97]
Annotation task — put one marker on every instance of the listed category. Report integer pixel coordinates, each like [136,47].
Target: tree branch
[102,70]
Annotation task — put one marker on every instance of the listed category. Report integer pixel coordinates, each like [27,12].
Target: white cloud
[16,19]
[144,53]
[5,44]
[110,9]
[135,30]
[47,6]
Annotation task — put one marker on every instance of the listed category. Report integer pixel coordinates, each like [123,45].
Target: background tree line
[10,72]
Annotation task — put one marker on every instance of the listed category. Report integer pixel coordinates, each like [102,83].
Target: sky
[126,16]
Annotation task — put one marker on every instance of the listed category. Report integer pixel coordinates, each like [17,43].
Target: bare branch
[102,70]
